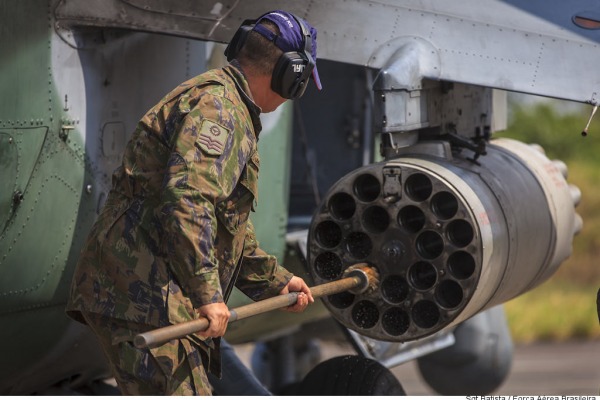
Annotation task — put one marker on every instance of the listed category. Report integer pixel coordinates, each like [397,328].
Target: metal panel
[532,47]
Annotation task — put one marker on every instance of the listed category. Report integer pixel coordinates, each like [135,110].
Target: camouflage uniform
[176,221]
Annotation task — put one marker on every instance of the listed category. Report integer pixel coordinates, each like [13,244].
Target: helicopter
[394,163]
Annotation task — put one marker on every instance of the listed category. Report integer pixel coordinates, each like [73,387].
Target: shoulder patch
[212,137]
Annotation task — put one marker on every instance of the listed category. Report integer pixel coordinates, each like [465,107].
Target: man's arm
[195,181]
[262,277]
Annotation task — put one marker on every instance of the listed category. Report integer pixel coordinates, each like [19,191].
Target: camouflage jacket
[176,220]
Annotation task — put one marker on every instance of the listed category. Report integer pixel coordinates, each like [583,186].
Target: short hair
[259,53]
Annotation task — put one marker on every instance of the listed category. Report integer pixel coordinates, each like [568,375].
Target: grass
[555,311]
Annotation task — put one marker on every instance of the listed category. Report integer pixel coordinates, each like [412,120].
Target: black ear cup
[238,40]
[291,75]
[293,69]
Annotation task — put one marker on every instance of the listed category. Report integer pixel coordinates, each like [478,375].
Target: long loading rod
[358,278]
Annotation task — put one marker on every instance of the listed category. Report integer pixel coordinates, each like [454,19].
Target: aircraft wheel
[478,363]
[350,375]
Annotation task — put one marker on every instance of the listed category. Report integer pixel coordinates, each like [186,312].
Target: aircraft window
[588,21]
[113,139]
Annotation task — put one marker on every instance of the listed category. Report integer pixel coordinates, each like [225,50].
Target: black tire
[350,376]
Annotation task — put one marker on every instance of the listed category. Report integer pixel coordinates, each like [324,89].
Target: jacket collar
[235,72]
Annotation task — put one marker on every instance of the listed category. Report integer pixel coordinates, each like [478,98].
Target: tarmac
[569,368]
[538,369]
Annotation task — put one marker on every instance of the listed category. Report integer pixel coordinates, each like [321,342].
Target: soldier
[174,235]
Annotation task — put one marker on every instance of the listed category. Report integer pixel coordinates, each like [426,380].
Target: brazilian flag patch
[212,138]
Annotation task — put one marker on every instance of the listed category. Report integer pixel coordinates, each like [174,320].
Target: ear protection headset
[292,70]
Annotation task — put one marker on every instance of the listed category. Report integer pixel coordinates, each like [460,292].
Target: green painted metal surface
[43,216]
[275,146]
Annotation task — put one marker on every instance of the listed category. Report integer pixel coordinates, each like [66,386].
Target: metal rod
[166,333]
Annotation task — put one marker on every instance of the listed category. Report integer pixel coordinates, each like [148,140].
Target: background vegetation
[564,307]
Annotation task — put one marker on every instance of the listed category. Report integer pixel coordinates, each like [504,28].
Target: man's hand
[218,314]
[305,297]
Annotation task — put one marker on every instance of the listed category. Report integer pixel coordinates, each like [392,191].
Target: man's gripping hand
[305,297]
[218,315]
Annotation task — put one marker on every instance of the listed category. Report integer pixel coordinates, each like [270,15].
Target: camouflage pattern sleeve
[261,276]
[198,177]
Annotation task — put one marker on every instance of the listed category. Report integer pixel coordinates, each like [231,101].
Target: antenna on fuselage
[585,131]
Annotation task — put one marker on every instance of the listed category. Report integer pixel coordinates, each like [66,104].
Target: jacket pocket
[234,212]
[250,178]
